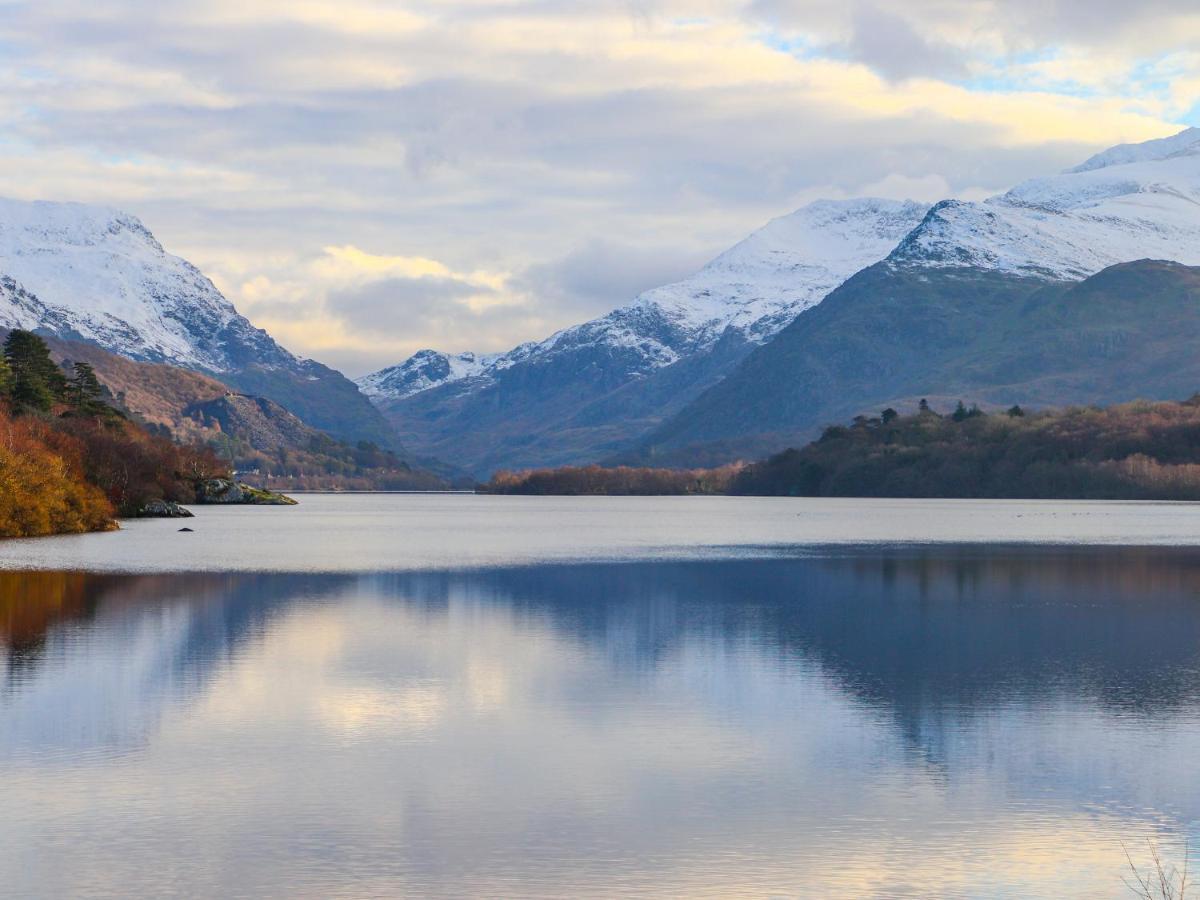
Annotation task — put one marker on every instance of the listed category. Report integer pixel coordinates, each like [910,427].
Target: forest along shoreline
[1132,451]
[71,462]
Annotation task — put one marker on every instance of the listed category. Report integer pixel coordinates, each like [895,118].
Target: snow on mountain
[99,275]
[423,370]
[1130,202]
[757,287]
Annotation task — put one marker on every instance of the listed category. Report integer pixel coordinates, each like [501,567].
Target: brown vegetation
[571,480]
[1133,451]
[1130,451]
[42,484]
[69,461]
[259,438]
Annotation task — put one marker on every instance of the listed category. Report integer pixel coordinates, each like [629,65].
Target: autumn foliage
[1131,451]
[579,480]
[69,461]
[42,484]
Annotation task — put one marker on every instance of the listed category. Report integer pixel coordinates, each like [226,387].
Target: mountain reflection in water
[955,721]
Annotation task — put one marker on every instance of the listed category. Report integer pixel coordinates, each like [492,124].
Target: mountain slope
[1128,203]
[1131,202]
[98,275]
[891,336]
[253,434]
[590,389]
[588,392]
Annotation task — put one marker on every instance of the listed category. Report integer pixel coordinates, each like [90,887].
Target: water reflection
[959,721]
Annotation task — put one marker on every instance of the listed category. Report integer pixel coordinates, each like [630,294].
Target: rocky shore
[224,491]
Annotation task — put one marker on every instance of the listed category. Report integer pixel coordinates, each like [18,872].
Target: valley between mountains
[1073,288]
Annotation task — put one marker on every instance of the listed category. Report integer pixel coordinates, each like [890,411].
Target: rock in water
[228,491]
[164,509]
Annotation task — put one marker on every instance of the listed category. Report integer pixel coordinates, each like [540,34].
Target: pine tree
[5,378]
[37,383]
[84,392]
[889,415]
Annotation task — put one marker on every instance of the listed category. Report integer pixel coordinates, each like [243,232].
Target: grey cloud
[894,48]
[1022,24]
[603,274]
[398,304]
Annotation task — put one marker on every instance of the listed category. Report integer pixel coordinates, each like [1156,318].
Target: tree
[37,383]
[889,415]
[5,377]
[1015,412]
[962,413]
[84,392]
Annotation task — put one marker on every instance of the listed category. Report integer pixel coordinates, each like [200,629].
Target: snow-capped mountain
[1131,202]
[757,287]
[1075,288]
[98,275]
[423,370]
[588,392]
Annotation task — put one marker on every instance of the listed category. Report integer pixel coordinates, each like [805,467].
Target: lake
[399,695]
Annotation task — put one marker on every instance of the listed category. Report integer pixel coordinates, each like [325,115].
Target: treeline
[69,460]
[575,481]
[1131,451]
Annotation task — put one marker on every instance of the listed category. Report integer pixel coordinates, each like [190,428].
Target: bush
[42,485]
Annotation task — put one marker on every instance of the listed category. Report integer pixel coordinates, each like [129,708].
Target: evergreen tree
[37,383]
[84,392]
[1015,412]
[5,377]
[889,415]
[960,412]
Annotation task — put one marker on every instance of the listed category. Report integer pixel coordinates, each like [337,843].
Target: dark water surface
[977,720]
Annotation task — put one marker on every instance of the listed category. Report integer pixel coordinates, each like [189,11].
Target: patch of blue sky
[1020,72]
[798,46]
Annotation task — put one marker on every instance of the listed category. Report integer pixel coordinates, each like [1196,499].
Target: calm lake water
[380,696]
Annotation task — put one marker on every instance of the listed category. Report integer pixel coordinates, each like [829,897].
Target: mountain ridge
[98,275]
[588,390]
[889,337]
[625,389]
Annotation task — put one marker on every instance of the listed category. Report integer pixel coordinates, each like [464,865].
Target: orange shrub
[42,489]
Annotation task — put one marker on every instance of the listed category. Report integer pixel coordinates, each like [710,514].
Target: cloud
[396,304]
[894,48]
[555,157]
[603,274]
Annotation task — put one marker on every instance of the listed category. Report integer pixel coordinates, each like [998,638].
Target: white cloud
[522,146]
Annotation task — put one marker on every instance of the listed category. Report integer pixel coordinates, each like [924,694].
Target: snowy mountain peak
[761,283]
[756,288]
[1186,142]
[423,370]
[1131,202]
[74,224]
[101,276]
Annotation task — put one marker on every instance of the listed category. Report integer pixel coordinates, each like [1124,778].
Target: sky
[366,178]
